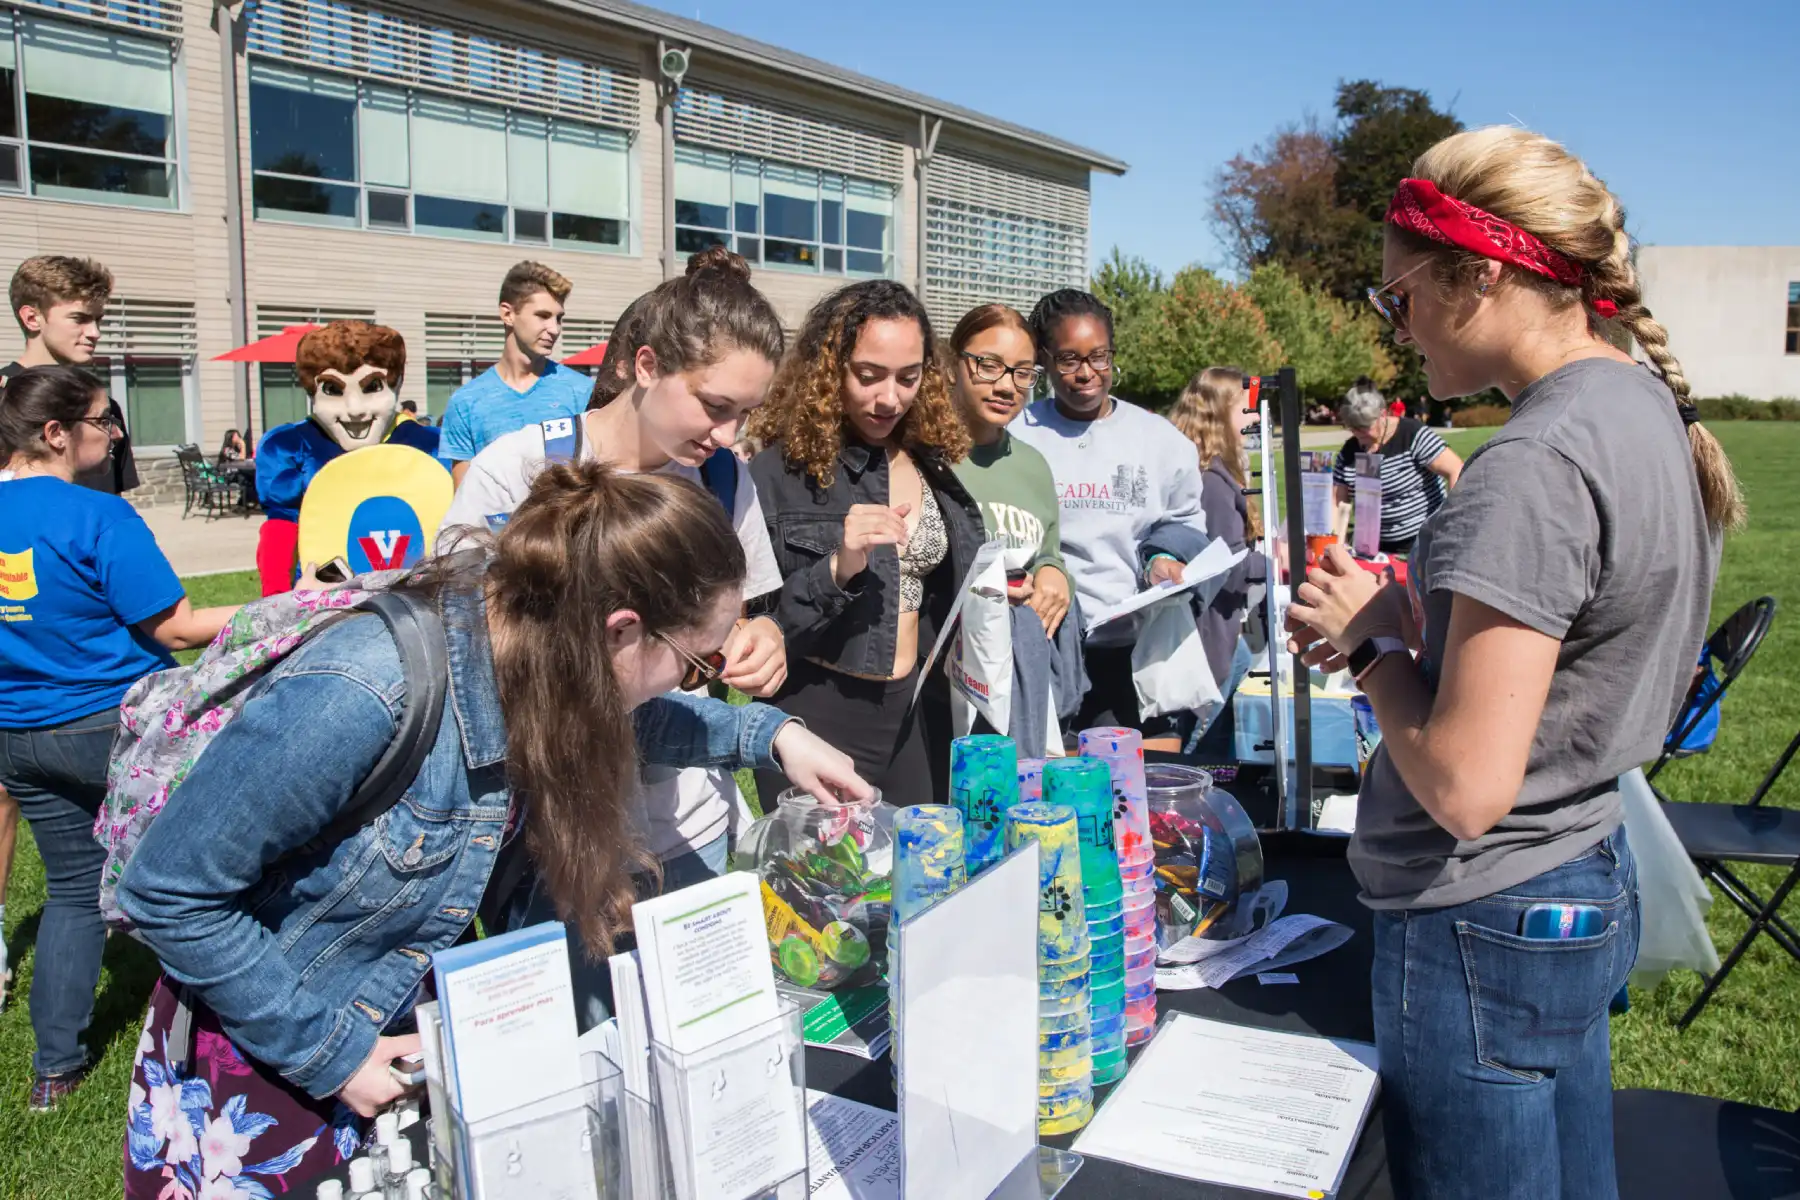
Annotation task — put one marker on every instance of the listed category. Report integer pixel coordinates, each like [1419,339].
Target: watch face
[1360,658]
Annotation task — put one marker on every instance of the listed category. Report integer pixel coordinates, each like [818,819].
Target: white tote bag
[980,660]
[1672,894]
[1168,663]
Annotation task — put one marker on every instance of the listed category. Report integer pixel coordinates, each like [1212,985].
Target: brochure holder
[566,1146]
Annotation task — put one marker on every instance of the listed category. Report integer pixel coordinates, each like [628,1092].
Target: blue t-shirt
[78,570]
[486,408]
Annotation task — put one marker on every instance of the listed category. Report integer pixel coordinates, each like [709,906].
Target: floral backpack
[168,719]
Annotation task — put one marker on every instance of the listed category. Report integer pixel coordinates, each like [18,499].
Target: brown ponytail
[1536,184]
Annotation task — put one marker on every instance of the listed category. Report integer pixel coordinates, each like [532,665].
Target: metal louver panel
[993,234]
[163,328]
[155,16]
[427,53]
[729,123]
[467,337]
[271,320]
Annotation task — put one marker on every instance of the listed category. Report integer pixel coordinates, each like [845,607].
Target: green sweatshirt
[1017,494]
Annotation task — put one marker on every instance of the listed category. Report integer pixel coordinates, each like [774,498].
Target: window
[792,218]
[282,399]
[1793,321]
[333,151]
[86,114]
[994,233]
[441,381]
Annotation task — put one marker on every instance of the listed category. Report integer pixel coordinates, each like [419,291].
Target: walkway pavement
[196,545]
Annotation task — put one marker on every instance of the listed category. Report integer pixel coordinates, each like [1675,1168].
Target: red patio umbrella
[281,347]
[587,358]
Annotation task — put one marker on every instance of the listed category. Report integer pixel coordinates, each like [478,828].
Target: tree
[1199,321]
[1328,343]
[1128,285]
[1279,204]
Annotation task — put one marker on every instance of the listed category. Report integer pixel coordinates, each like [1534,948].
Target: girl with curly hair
[872,531]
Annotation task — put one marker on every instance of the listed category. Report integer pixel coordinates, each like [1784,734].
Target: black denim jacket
[855,629]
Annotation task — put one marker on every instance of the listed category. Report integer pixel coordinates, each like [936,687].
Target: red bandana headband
[1419,207]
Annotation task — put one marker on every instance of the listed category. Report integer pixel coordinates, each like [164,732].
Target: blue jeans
[58,776]
[1496,1069]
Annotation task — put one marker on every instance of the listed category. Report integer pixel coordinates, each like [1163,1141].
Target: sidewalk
[198,546]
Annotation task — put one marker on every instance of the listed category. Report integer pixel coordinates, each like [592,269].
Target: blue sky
[1690,111]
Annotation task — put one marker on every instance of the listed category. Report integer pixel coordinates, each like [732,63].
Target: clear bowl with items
[826,872]
[1209,862]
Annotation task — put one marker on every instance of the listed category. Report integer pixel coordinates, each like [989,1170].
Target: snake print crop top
[924,551]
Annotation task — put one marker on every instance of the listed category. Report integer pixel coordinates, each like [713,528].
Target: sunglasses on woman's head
[700,670]
[1393,306]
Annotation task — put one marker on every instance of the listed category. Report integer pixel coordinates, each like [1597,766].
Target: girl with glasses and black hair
[88,606]
[873,531]
[1129,486]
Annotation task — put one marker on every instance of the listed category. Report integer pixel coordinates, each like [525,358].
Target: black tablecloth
[1332,998]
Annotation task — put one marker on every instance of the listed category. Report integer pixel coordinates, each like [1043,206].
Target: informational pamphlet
[507,1010]
[1367,540]
[1211,964]
[1241,1107]
[854,1148]
[1210,563]
[705,960]
[854,1021]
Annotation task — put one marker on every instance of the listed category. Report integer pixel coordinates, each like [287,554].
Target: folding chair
[1731,646]
[1676,1146]
[1715,834]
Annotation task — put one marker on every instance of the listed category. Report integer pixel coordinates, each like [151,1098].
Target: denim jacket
[307,958]
[855,629]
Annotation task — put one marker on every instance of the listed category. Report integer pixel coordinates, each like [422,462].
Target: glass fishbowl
[826,872]
[1209,862]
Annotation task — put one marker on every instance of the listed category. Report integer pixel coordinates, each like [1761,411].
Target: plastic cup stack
[1085,785]
[1031,779]
[1122,750]
[929,863]
[984,783]
[1065,1056]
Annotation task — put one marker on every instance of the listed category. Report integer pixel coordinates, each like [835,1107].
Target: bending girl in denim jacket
[604,592]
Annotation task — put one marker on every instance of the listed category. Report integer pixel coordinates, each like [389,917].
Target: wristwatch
[1362,660]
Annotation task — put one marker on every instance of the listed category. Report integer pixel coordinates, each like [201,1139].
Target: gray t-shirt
[1582,519]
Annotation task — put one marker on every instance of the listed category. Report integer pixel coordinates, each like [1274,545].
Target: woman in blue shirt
[301,962]
[88,605]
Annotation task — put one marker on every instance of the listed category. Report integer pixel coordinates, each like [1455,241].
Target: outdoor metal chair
[1731,647]
[1675,1146]
[1763,834]
[201,484]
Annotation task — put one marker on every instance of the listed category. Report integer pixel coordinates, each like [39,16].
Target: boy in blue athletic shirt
[526,386]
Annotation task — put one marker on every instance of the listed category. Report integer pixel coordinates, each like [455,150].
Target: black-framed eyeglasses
[991,370]
[1394,306]
[700,670]
[106,422]
[1097,361]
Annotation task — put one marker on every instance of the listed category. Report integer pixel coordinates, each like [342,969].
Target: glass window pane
[155,408]
[9,101]
[589,171]
[866,262]
[693,241]
[834,258]
[702,189]
[1793,341]
[92,66]
[870,220]
[831,213]
[10,176]
[530,226]
[299,200]
[441,382]
[387,209]
[790,202]
[586,230]
[747,221]
[302,124]
[7,59]
[1794,293]
[282,399]
[460,218]
[458,150]
[72,175]
[792,254]
[750,248]
[528,161]
[382,132]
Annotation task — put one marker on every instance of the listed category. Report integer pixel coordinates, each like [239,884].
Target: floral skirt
[225,1125]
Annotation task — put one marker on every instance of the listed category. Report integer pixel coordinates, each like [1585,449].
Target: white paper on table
[1338,814]
[643,1150]
[967,999]
[984,556]
[1287,941]
[1271,901]
[736,1124]
[854,1149]
[1247,1108]
[1212,562]
[1367,541]
[704,953]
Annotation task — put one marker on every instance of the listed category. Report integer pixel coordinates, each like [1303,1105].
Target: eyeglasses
[990,370]
[1097,361]
[1394,306]
[106,423]
[700,670]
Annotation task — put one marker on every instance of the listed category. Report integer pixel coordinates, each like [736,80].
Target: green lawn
[1744,1047]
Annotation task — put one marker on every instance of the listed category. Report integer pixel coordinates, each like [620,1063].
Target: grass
[1744,1047]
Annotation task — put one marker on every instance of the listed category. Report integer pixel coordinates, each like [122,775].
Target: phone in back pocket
[1551,922]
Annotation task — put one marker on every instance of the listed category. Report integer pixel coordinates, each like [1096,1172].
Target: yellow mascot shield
[376,508]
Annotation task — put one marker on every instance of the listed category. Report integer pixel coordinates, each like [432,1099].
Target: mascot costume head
[352,372]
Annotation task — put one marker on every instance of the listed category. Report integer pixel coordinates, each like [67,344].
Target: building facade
[249,166]
[1733,315]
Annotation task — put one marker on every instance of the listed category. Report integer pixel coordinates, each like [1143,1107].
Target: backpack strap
[719,474]
[562,439]
[418,632]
